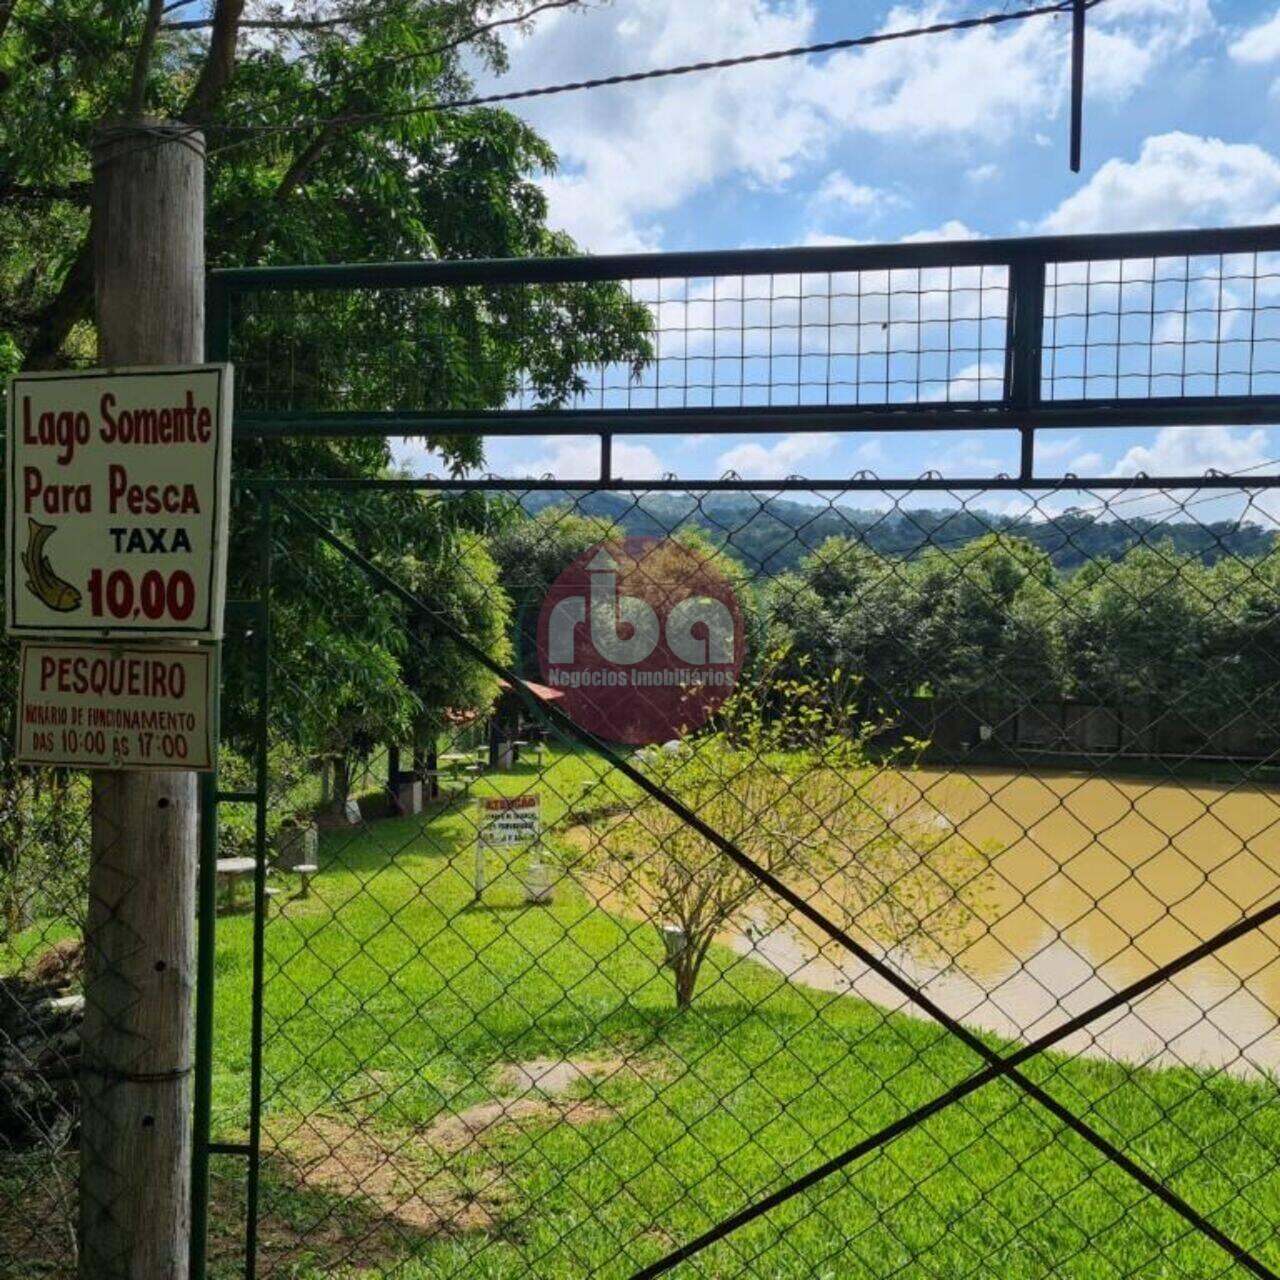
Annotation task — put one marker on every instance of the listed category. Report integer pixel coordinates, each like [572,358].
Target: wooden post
[135,1163]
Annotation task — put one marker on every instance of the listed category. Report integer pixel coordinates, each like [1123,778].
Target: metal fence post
[1023,345]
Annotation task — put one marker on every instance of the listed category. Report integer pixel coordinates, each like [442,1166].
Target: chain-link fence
[1011,766]
[934,939]
[44,859]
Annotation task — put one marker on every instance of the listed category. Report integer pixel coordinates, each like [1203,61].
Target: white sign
[104,707]
[509,820]
[118,488]
[502,822]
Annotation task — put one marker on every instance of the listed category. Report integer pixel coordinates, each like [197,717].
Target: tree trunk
[135,1160]
[393,779]
[426,763]
[686,972]
[341,783]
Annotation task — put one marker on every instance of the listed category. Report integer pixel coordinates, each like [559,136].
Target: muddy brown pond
[1094,883]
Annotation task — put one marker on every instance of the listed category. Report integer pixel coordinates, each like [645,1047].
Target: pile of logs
[40,1018]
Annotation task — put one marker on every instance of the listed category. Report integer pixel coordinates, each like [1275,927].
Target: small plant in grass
[789,776]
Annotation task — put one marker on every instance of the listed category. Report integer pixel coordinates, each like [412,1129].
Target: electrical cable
[657,73]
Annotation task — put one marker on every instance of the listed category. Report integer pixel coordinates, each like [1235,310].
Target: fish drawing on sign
[42,582]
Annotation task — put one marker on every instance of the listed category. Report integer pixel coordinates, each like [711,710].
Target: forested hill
[771,533]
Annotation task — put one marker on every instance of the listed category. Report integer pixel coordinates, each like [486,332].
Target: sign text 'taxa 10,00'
[117,502]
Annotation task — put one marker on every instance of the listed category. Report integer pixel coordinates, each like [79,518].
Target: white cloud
[1049,447]
[983,173]
[871,453]
[989,80]
[1178,179]
[1085,464]
[952,229]
[1191,451]
[839,193]
[602,225]
[982,380]
[634,153]
[1260,43]
[966,455]
[827,238]
[757,461]
[573,458]
[982,79]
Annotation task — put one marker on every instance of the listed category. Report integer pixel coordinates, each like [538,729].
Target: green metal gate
[1054,1162]
[978,860]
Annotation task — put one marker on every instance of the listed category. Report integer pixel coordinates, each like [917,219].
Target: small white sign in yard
[508,820]
[117,486]
[104,707]
[504,822]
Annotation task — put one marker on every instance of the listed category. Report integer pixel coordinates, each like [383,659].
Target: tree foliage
[773,536]
[993,625]
[531,553]
[322,148]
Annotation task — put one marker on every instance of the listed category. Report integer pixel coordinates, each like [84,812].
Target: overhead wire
[354,119]
[241,135]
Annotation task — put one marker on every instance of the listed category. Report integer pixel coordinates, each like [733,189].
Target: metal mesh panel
[1202,325]
[816,338]
[945,335]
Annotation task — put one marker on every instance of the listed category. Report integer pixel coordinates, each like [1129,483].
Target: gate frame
[1020,407]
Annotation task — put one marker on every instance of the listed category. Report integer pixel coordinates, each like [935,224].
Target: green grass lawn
[393,1003]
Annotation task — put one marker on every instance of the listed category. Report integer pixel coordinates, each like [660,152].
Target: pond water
[1096,881]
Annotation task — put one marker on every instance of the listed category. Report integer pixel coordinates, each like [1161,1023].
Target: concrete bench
[305,870]
[230,872]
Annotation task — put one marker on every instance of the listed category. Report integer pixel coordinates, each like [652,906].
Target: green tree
[440,673]
[987,623]
[787,775]
[1241,630]
[356,668]
[1135,631]
[531,552]
[322,147]
[845,608]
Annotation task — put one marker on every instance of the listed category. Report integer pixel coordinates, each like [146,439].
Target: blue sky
[940,137]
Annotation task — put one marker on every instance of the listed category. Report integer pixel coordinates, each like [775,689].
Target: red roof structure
[459,717]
